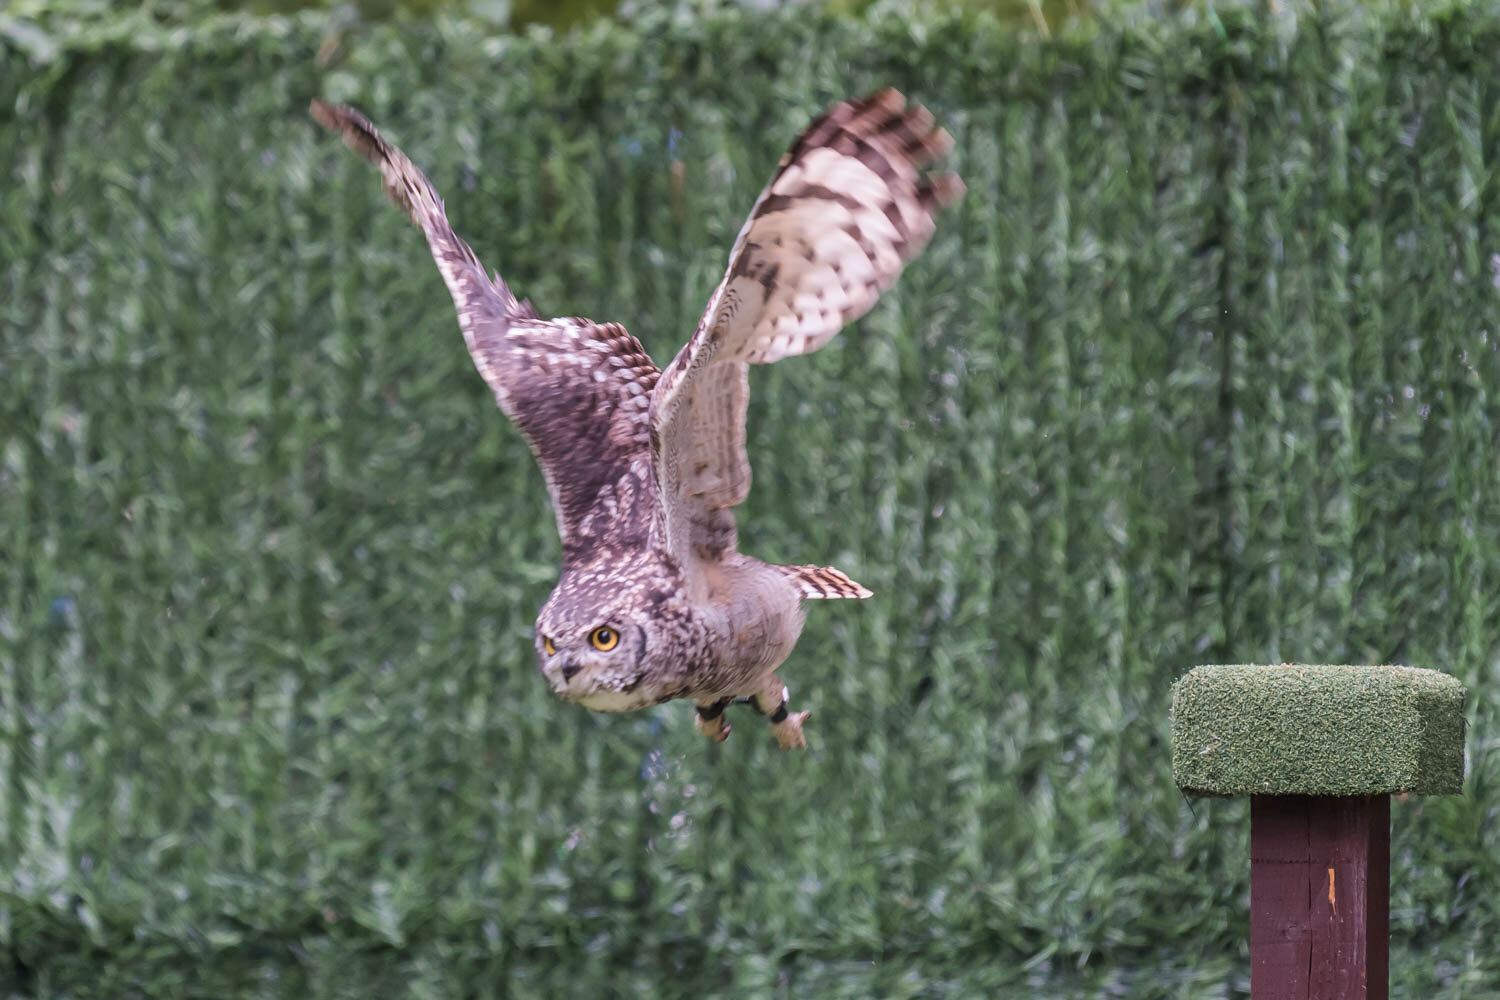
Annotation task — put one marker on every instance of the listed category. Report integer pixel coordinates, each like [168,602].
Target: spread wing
[579,391]
[848,207]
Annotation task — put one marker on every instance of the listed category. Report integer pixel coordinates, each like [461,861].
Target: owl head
[592,643]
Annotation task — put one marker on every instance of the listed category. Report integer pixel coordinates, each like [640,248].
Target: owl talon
[789,731]
[785,724]
[711,722]
[715,729]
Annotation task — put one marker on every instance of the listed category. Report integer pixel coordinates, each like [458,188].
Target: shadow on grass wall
[1203,369]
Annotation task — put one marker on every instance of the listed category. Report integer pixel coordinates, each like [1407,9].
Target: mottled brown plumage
[655,601]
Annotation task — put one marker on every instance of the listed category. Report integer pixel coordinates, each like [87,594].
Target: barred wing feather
[847,208]
[578,390]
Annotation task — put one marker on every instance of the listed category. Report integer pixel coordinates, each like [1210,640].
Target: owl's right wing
[847,208]
[578,390]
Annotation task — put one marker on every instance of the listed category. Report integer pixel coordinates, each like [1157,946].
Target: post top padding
[1296,729]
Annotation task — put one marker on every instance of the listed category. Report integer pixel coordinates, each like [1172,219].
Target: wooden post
[1319,897]
[1319,750]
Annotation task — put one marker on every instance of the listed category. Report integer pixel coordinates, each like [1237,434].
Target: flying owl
[644,467]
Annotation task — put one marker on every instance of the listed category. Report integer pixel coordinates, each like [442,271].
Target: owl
[644,466]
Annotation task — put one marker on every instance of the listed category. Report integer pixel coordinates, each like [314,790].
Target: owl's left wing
[847,208]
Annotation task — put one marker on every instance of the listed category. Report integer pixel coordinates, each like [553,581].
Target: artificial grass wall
[1202,370]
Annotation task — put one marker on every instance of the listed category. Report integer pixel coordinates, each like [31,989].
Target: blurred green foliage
[1203,369]
[66,18]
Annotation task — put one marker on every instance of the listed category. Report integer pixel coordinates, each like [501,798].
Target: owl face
[611,634]
[595,660]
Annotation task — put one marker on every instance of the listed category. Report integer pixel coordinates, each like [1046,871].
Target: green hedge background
[1203,369]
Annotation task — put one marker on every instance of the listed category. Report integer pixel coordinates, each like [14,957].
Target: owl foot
[789,730]
[787,725]
[710,719]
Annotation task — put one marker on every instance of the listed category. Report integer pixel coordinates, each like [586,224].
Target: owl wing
[578,390]
[845,211]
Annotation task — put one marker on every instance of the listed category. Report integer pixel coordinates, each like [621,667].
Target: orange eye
[547,645]
[604,638]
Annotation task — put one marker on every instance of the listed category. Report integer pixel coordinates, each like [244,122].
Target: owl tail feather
[823,583]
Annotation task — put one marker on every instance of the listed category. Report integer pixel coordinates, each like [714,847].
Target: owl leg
[710,719]
[771,702]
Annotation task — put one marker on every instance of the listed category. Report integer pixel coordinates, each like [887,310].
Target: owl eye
[604,638]
[547,645]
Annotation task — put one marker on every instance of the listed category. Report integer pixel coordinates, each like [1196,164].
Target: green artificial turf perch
[1317,730]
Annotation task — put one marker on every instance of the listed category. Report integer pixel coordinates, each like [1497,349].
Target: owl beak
[563,669]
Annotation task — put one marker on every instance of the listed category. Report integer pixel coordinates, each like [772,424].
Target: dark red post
[1319,897]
